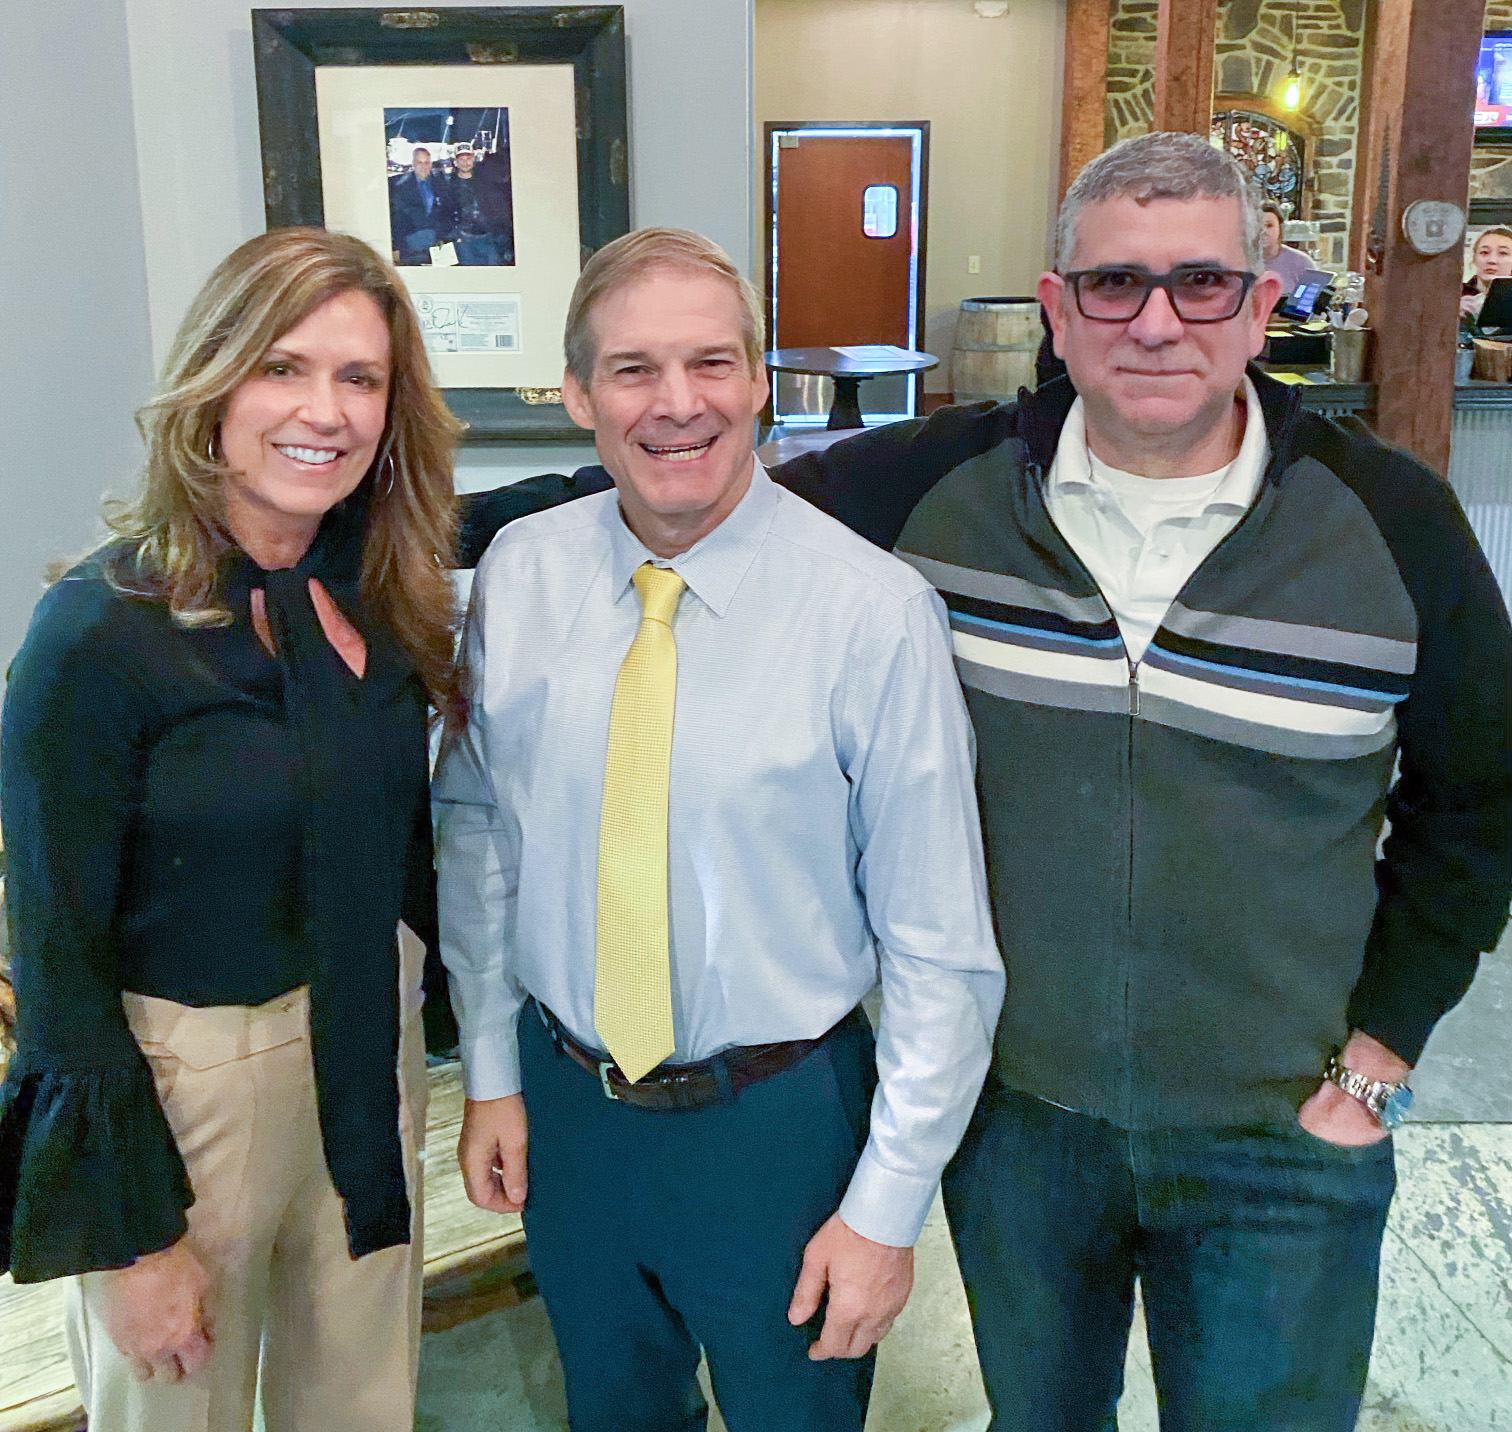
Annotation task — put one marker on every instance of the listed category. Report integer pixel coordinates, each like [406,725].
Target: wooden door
[845,246]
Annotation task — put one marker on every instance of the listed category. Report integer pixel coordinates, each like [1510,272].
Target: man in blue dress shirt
[757,1193]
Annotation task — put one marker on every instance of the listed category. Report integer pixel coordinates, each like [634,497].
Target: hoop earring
[210,453]
[380,491]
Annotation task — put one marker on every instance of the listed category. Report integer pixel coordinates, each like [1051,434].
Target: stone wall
[1254,51]
[1131,69]
[1253,57]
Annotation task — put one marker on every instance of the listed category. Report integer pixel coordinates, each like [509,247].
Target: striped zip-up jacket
[1183,852]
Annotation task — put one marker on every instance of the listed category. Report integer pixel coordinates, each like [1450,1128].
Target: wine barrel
[995,343]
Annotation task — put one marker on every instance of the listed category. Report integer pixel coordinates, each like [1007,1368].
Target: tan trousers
[329,1343]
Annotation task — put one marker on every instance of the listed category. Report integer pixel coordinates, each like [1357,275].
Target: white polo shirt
[1143,537]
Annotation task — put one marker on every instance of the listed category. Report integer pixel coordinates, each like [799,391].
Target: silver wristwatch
[1388,1102]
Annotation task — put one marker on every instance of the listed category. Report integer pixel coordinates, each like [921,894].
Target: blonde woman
[1491,258]
[214,790]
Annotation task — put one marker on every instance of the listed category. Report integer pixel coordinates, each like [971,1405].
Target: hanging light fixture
[1291,96]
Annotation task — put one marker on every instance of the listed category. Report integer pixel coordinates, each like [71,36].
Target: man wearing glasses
[1197,628]
[1207,640]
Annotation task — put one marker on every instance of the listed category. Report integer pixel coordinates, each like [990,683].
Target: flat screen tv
[1493,89]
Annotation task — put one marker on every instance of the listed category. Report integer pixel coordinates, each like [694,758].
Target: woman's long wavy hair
[174,526]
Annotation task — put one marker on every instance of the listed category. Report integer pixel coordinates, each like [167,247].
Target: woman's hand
[1470,304]
[155,1313]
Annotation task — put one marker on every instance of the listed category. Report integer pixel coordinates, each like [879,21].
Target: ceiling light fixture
[1291,96]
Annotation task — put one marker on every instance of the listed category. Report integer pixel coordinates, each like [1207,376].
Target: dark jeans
[414,248]
[478,249]
[656,1232]
[1257,1251]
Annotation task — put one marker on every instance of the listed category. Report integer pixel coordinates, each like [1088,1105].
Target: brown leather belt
[687,1086]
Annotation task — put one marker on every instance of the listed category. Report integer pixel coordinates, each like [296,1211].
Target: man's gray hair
[1163,165]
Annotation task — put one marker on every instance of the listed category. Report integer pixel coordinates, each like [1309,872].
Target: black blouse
[189,817]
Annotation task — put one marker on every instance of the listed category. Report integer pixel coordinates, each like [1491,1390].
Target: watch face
[1398,1102]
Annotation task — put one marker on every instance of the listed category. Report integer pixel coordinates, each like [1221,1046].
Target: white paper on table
[874,352]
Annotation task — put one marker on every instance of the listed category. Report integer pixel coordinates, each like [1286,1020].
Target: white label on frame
[478,323]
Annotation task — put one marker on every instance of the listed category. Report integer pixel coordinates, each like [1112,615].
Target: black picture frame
[289,45]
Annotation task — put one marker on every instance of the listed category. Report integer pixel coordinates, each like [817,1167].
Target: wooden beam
[1422,98]
[1187,32]
[1084,87]
[1367,155]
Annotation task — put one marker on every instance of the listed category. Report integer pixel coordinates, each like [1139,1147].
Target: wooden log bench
[474,1262]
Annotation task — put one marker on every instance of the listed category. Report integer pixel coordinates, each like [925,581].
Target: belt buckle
[605,1065]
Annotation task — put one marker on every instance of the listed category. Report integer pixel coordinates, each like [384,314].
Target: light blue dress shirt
[823,820]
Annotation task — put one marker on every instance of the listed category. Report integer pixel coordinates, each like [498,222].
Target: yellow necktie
[632,992]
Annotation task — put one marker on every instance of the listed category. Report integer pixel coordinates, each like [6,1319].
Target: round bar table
[847,373]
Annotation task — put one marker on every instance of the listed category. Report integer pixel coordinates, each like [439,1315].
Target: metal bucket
[996,341]
[1346,359]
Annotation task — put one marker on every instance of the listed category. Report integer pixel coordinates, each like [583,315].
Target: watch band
[1374,1094]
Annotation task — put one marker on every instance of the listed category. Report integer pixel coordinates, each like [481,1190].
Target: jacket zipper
[1128,989]
[1280,458]
[1037,473]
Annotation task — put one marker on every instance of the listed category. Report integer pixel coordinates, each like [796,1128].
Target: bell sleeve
[90,1175]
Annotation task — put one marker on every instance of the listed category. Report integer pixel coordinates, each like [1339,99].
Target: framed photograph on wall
[485,149]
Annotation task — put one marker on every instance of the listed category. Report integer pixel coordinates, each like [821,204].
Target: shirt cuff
[491,1065]
[885,1206]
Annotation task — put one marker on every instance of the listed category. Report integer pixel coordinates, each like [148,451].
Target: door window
[879,211]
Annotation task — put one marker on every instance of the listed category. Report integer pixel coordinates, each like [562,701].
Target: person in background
[714,785]
[1287,263]
[214,777]
[421,211]
[1491,258]
[482,208]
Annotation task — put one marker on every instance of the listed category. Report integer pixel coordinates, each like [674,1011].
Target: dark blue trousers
[1257,1251]
[653,1233]
[478,250]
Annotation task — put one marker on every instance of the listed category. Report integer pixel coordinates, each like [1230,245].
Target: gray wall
[163,179]
[196,124]
[74,356]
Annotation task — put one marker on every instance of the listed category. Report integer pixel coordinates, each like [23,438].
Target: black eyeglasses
[1198,293]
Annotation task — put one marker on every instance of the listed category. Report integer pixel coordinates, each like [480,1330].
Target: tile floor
[1443,1352]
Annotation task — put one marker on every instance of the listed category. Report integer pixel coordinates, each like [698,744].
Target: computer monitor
[1496,311]
[1303,299]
